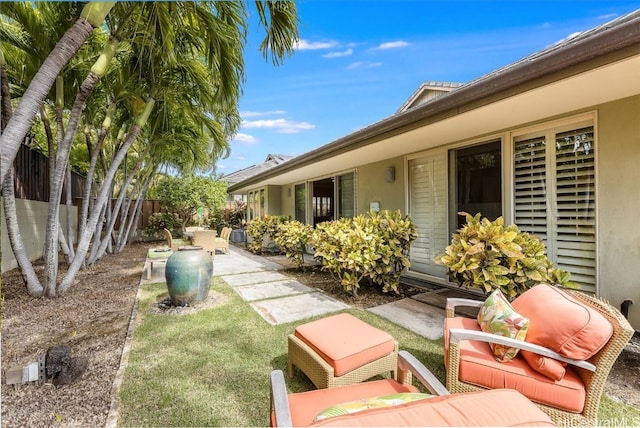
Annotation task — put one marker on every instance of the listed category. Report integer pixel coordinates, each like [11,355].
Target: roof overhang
[589,70]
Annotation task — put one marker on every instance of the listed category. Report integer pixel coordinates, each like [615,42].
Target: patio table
[156,255]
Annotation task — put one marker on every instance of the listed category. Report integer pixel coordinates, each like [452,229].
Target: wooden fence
[31,178]
[31,181]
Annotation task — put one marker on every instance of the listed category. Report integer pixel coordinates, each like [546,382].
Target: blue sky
[358,61]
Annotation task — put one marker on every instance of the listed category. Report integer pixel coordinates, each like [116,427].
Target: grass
[211,367]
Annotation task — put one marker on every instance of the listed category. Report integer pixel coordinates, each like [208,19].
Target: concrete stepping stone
[418,317]
[295,308]
[269,290]
[254,278]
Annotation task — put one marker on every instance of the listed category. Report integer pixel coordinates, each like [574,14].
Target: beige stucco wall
[618,178]
[32,219]
[288,200]
[373,186]
[274,199]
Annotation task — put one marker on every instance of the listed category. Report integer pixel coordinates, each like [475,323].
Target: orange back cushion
[561,323]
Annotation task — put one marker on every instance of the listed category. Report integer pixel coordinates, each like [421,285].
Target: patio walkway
[280,300]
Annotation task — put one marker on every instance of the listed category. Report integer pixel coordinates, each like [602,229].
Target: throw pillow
[497,316]
[370,403]
[553,369]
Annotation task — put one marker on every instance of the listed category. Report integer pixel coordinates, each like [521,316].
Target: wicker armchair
[174,243]
[593,372]
[222,242]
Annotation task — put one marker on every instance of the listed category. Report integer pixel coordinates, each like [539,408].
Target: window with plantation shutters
[554,198]
[530,185]
[346,195]
[428,210]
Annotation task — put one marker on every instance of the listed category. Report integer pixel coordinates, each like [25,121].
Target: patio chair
[222,242]
[206,239]
[572,342]
[174,243]
[390,402]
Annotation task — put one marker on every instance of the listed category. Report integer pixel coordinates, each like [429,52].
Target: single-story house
[550,142]
[244,174]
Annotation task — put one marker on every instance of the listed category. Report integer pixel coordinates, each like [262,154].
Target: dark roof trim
[600,41]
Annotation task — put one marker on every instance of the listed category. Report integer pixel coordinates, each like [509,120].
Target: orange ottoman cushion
[345,342]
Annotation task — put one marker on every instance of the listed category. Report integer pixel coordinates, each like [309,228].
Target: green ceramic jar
[188,273]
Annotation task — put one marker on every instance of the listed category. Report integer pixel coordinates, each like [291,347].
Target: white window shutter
[428,210]
[575,234]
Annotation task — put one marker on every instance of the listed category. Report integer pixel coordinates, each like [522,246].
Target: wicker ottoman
[341,350]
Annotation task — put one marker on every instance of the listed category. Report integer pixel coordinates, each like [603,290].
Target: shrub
[373,246]
[487,255]
[216,221]
[159,221]
[292,237]
[262,227]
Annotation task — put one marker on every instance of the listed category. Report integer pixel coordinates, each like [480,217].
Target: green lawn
[211,368]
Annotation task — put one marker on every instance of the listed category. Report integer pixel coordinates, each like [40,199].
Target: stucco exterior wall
[32,219]
[618,178]
[287,199]
[373,186]
[274,205]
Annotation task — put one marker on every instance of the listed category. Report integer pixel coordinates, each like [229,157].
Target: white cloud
[282,126]
[306,45]
[362,65]
[260,113]
[608,16]
[391,45]
[338,54]
[246,138]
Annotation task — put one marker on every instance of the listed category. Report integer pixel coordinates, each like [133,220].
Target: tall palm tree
[213,31]
[91,17]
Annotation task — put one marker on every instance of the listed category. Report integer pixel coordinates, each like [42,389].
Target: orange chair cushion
[487,408]
[561,323]
[305,406]
[479,367]
[345,342]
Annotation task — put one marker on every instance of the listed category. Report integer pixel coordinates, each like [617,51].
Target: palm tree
[91,17]
[213,31]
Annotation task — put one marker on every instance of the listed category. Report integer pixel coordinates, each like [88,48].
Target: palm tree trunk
[83,243]
[34,288]
[7,109]
[87,199]
[20,122]
[93,154]
[132,227]
[114,216]
[69,205]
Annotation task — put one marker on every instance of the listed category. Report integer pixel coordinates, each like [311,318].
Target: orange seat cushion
[501,407]
[479,367]
[345,342]
[305,406]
